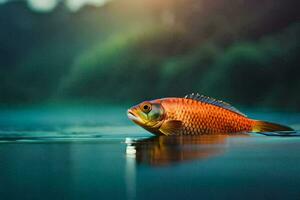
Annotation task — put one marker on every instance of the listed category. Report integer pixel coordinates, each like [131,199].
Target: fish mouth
[131,115]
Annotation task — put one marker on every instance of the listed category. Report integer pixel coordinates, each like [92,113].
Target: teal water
[96,153]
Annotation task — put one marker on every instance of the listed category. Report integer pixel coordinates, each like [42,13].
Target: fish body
[202,118]
[195,115]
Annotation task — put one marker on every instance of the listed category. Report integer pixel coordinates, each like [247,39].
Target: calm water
[96,153]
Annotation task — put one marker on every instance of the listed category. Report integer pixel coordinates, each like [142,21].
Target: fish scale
[203,118]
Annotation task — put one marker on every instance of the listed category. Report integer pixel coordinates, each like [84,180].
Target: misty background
[245,52]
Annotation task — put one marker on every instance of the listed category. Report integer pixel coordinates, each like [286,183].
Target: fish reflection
[166,150]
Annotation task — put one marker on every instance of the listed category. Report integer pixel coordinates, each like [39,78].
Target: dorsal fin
[213,101]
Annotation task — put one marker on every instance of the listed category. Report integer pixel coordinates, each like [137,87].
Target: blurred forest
[242,51]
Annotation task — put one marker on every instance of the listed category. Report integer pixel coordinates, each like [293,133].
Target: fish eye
[146,107]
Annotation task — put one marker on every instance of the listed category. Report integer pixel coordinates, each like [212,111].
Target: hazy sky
[48,5]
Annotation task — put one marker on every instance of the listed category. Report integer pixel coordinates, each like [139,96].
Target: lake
[97,153]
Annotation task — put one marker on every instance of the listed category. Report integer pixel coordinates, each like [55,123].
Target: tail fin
[262,126]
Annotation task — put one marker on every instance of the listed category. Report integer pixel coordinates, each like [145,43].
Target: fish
[196,114]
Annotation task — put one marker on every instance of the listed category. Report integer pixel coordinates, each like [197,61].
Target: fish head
[148,114]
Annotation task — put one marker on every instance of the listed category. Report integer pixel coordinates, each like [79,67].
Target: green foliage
[245,56]
[181,75]
[126,65]
[264,72]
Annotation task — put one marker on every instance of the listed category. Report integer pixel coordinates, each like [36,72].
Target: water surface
[96,153]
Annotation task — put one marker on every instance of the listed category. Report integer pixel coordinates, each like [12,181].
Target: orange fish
[195,115]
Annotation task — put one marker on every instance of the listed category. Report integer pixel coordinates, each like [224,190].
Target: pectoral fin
[171,127]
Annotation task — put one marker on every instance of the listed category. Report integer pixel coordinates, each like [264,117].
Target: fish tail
[262,126]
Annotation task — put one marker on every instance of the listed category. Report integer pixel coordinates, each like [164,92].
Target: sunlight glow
[48,5]
[42,5]
[75,5]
